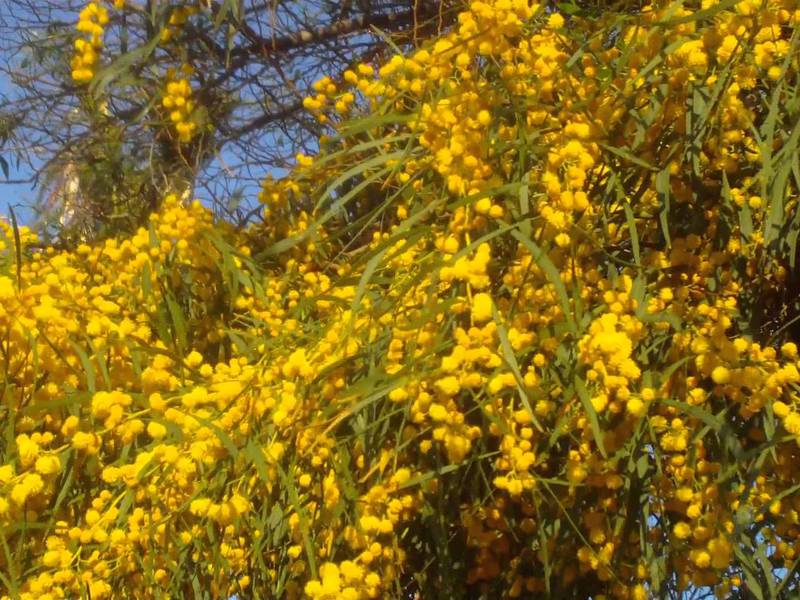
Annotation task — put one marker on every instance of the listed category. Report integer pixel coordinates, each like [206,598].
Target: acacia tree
[99,145]
[522,330]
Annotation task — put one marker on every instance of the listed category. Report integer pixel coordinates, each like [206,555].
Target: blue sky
[18,196]
[242,173]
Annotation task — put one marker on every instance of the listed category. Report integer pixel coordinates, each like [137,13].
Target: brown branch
[397,21]
[389,22]
[264,119]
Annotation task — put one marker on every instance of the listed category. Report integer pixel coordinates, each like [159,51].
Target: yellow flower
[721,375]
[194,359]
[636,407]
[720,550]
[156,430]
[682,530]
[482,307]
[48,465]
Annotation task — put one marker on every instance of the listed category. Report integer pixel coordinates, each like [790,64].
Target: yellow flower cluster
[178,101]
[472,133]
[91,23]
[503,340]
[177,19]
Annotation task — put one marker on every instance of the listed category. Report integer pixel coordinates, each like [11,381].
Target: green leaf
[591,413]
[340,202]
[663,190]
[294,498]
[178,321]
[715,422]
[627,155]
[511,362]
[88,369]
[633,232]
[17,246]
[121,65]
[699,15]
[544,262]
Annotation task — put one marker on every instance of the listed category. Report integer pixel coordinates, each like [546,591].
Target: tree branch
[388,21]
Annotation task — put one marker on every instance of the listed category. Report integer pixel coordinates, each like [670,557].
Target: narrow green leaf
[544,262]
[591,413]
[17,246]
[633,232]
[88,369]
[511,362]
[178,321]
[663,191]
[716,422]
[627,155]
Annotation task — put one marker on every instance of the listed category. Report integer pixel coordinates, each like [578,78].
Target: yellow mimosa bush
[521,329]
[91,22]
[178,102]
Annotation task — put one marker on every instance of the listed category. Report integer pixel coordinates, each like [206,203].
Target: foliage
[85,119]
[522,328]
